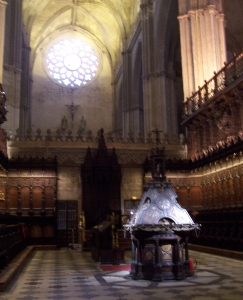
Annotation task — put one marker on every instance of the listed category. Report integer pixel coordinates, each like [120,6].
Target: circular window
[72,62]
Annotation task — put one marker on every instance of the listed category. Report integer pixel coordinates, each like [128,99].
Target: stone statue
[82,124]
[182,138]
[64,123]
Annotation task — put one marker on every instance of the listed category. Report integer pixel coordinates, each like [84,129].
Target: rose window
[72,62]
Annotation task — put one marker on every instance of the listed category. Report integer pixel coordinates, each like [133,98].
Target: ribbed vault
[109,21]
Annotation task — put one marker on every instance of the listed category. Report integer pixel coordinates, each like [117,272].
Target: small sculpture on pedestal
[82,124]
[64,124]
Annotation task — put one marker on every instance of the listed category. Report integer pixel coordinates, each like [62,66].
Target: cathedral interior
[87,89]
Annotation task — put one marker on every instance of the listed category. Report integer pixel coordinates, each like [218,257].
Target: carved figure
[64,123]
[82,124]
[223,120]
[182,138]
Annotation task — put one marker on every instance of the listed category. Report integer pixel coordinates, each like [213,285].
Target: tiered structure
[159,229]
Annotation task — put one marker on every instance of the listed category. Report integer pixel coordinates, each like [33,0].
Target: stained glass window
[72,62]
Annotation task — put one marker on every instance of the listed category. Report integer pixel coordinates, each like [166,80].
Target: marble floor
[68,274]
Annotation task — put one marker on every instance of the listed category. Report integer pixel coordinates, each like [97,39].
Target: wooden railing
[12,242]
[220,81]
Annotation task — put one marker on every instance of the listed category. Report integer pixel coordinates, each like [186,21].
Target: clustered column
[147,60]
[3,5]
[12,62]
[203,46]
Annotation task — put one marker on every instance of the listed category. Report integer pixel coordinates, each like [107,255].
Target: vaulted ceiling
[107,21]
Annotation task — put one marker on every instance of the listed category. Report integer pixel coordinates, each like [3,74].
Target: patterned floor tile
[67,274]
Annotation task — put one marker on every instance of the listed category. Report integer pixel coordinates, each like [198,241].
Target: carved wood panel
[182,196]
[25,198]
[13,196]
[236,187]
[230,191]
[29,188]
[224,199]
[49,231]
[49,197]
[214,193]
[37,197]
[195,196]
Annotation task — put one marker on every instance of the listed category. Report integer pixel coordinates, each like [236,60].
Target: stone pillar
[203,45]
[166,114]
[3,138]
[126,91]
[156,85]
[148,64]
[26,87]
[159,80]
[12,62]
[3,5]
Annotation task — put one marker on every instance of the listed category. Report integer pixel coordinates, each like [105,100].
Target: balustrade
[220,81]
[111,137]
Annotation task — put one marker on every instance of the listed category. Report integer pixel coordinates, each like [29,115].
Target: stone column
[148,64]
[203,45]
[166,113]
[126,91]
[12,62]
[3,5]
[26,82]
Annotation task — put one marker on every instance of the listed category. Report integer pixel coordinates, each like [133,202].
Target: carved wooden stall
[213,117]
[28,190]
[101,179]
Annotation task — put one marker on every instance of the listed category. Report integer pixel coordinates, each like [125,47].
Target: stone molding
[73,153]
